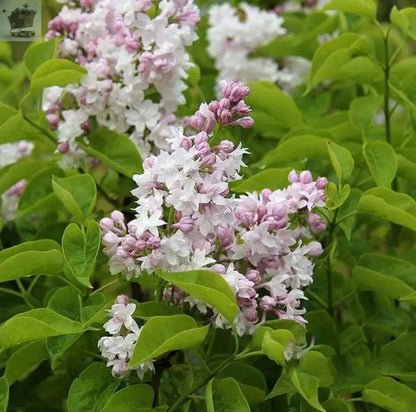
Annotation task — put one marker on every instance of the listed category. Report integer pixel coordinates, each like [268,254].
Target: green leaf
[406,168]
[336,405]
[224,395]
[23,169]
[395,207]
[25,360]
[146,310]
[210,287]
[66,302]
[251,381]
[348,207]
[372,280]
[307,386]
[35,324]
[4,394]
[39,53]
[322,327]
[115,150]
[134,398]
[270,178]
[30,258]
[398,358]
[405,19]
[333,55]
[336,199]
[273,107]
[273,349]
[363,110]
[162,334]
[382,161]
[92,389]
[316,364]
[297,148]
[390,394]
[56,72]
[80,250]
[341,160]
[403,270]
[77,193]
[366,8]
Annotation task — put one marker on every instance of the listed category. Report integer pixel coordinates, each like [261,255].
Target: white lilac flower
[11,153]
[234,33]
[260,243]
[118,348]
[128,56]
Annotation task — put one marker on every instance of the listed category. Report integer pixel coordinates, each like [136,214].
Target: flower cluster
[11,153]
[136,68]
[235,33]
[118,348]
[186,220]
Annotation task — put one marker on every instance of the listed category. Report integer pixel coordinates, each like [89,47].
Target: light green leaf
[210,287]
[336,405]
[23,169]
[272,108]
[297,148]
[134,398]
[162,334]
[146,310]
[273,349]
[341,160]
[390,394]
[398,358]
[77,193]
[66,302]
[4,394]
[371,280]
[80,250]
[316,364]
[307,386]
[398,19]
[35,324]
[56,72]
[115,150]
[224,395]
[395,207]
[337,199]
[39,53]
[405,19]
[363,110]
[348,207]
[30,258]
[251,381]
[382,161]
[270,178]
[406,168]
[25,360]
[92,389]
[367,8]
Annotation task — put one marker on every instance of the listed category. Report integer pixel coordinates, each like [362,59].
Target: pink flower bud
[106,224]
[220,269]
[186,143]
[122,300]
[214,107]
[253,276]
[293,176]
[225,146]
[317,224]
[267,303]
[186,224]
[117,217]
[251,315]
[314,249]
[154,242]
[209,160]
[244,122]
[201,137]
[225,235]
[305,177]
[321,183]
[63,147]
[265,195]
